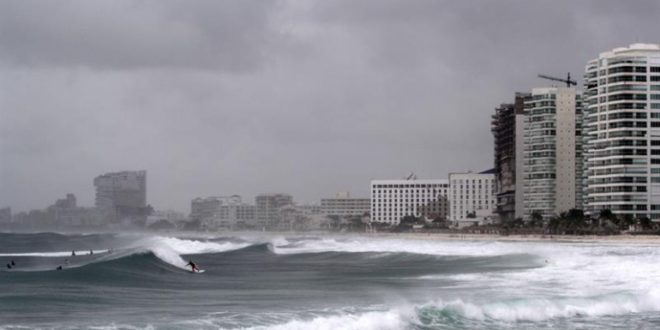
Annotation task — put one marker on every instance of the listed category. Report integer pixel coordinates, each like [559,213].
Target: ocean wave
[53,254]
[541,309]
[446,314]
[375,244]
[170,249]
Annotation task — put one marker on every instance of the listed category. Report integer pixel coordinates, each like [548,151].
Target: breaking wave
[441,315]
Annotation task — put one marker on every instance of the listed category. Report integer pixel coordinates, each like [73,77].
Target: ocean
[304,281]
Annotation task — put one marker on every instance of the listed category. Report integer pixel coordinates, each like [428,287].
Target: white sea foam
[114,326]
[393,319]
[362,244]
[540,309]
[578,269]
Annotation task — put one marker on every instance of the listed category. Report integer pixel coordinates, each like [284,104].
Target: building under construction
[507,128]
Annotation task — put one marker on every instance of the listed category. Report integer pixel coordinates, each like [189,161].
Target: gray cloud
[249,96]
[121,34]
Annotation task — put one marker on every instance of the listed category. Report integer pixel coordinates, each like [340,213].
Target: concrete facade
[520,159]
[552,180]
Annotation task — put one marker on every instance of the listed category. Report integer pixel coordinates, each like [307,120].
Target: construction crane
[567,81]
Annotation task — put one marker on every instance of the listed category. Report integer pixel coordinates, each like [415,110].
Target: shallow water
[135,281]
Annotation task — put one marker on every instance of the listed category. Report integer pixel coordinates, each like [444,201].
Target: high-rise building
[507,128]
[391,200]
[552,151]
[622,132]
[471,194]
[122,195]
[268,209]
[521,117]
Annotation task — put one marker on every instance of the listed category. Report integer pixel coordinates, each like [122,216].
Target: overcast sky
[304,97]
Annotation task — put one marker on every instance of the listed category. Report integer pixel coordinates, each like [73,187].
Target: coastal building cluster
[560,148]
[556,149]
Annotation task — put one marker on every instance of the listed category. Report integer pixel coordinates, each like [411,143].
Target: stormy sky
[305,97]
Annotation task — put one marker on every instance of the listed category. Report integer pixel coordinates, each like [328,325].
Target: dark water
[323,282]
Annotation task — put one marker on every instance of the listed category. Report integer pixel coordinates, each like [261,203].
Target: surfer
[193,266]
[59,267]
[13,263]
[73,253]
[91,252]
[9,266]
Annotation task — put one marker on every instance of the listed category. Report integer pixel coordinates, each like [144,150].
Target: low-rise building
[471,193]
[268,209]
[223,212]
[391,200]
[343,205]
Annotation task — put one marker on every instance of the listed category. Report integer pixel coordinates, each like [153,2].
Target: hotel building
[391,200]
[343,205]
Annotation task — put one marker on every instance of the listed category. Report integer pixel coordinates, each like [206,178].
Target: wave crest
[170,249]
[538,309]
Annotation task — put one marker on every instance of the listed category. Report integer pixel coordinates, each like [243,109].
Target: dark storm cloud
[225,97]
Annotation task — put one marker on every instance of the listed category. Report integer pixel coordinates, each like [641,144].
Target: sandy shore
[632,239]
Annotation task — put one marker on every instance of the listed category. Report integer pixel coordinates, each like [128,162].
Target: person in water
[59,268]
[13,263]
[9,266]
[193,266]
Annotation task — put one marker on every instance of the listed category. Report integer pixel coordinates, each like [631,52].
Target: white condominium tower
[552,152]
[622,131]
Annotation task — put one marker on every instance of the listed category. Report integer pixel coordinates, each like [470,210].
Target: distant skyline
[248,97]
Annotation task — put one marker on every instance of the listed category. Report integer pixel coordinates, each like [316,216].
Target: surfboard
[198,271]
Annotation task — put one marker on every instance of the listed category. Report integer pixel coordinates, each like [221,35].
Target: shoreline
[623,238]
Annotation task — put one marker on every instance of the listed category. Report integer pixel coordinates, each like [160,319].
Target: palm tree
[606,214]
[645,222]
[536,219]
